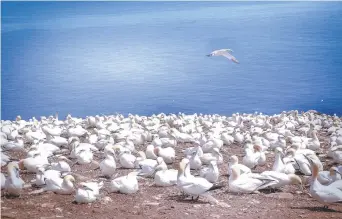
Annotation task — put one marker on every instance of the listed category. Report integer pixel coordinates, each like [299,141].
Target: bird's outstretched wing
[230,57]
[227,50]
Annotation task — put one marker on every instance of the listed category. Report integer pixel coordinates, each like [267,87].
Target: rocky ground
[166,202]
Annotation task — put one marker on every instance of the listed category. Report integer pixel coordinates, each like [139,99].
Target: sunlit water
[88,58]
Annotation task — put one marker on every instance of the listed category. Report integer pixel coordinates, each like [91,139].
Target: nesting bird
[200,142]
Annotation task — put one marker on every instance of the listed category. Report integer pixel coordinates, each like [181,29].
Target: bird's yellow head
[69,178]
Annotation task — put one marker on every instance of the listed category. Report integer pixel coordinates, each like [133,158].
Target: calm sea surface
[88,58]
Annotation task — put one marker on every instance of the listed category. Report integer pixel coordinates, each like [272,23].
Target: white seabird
[225,53]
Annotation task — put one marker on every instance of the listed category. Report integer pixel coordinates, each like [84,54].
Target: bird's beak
[208,55]
[283,155]
[338,172]
[87,188]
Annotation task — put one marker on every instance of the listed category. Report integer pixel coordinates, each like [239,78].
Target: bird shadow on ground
[317,209]
[180,198]
[8,196]
[269,191]
[225,175]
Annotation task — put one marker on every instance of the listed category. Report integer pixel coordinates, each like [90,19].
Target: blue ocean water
[88,58]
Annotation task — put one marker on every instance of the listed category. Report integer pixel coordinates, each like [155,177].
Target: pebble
[151,203]
[59,209]
[106,200]
[158,197]
[47,205]
[254,202]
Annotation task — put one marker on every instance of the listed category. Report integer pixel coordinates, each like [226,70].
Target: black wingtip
[217,186]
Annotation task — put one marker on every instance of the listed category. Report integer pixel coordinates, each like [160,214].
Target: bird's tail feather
[217,186]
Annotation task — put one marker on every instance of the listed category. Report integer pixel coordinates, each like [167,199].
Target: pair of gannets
[300,161]
[194,186]
[195,158]
[233,161]
[325,194]
[61,165]
[46,149]
[211,173]
[75,146]
[31,163]
[43,174]
[253,182]
[168,153]
[328,177]
[63,186]
[164,142]
[247,183]
[279,165]
[150,167]
[16,145]
[57,140]
[254,157]
[211,144]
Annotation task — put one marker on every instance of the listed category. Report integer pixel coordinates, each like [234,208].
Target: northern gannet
[224,52]
[125,184]
[13,184]
[328,177]
[42,174]
[195,160]
[233,161]
[168,154]
[94,186]
[248,183]
[142,160]
[31,163]
[210,173]
[214,155]
[150,152]
[127,160]
[61,166]
[85,195]
[84,156]
[282,179]
[108,165]
[166,177]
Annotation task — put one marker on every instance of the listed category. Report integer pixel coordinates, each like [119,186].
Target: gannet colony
[183,152]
